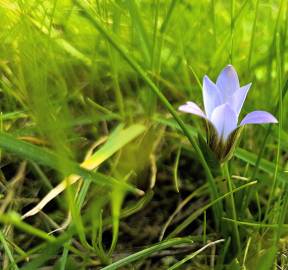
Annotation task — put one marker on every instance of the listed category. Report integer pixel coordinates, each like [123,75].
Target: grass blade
[147,252]
[112,145]
[200,211]
[8,251]
[50,159]
[190,257]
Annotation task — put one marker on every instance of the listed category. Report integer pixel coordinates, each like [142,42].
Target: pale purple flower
[223,102]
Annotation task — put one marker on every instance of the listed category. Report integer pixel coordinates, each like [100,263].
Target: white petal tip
[193,108]
[259,117]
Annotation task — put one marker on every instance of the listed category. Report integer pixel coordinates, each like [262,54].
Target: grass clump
[100,171]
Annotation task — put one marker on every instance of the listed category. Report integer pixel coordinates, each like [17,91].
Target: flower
[223,102]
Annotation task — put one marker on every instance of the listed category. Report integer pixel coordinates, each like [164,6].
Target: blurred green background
[74,85]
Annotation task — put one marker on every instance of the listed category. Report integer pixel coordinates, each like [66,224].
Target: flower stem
[231,204]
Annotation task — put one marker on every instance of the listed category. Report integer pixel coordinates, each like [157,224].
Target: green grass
[99,170]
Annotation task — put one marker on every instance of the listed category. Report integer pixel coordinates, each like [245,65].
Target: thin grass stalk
[279,77]
[232,205]
[252,40]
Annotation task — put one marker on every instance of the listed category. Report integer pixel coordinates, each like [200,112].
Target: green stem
[214,23]
[8,251]
[232,30]
[252,40]
[231,204]
[275,175]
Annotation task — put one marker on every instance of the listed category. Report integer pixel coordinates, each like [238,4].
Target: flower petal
[211,96]
[191,107]
[236,101]
[224,119]
[258,117]
[228,81]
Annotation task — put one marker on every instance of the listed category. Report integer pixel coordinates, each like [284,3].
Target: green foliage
[89,94]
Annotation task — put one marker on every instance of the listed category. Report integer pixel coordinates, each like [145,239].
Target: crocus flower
[223,102]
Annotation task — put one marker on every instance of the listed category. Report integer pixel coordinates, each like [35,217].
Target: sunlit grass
[98,168]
